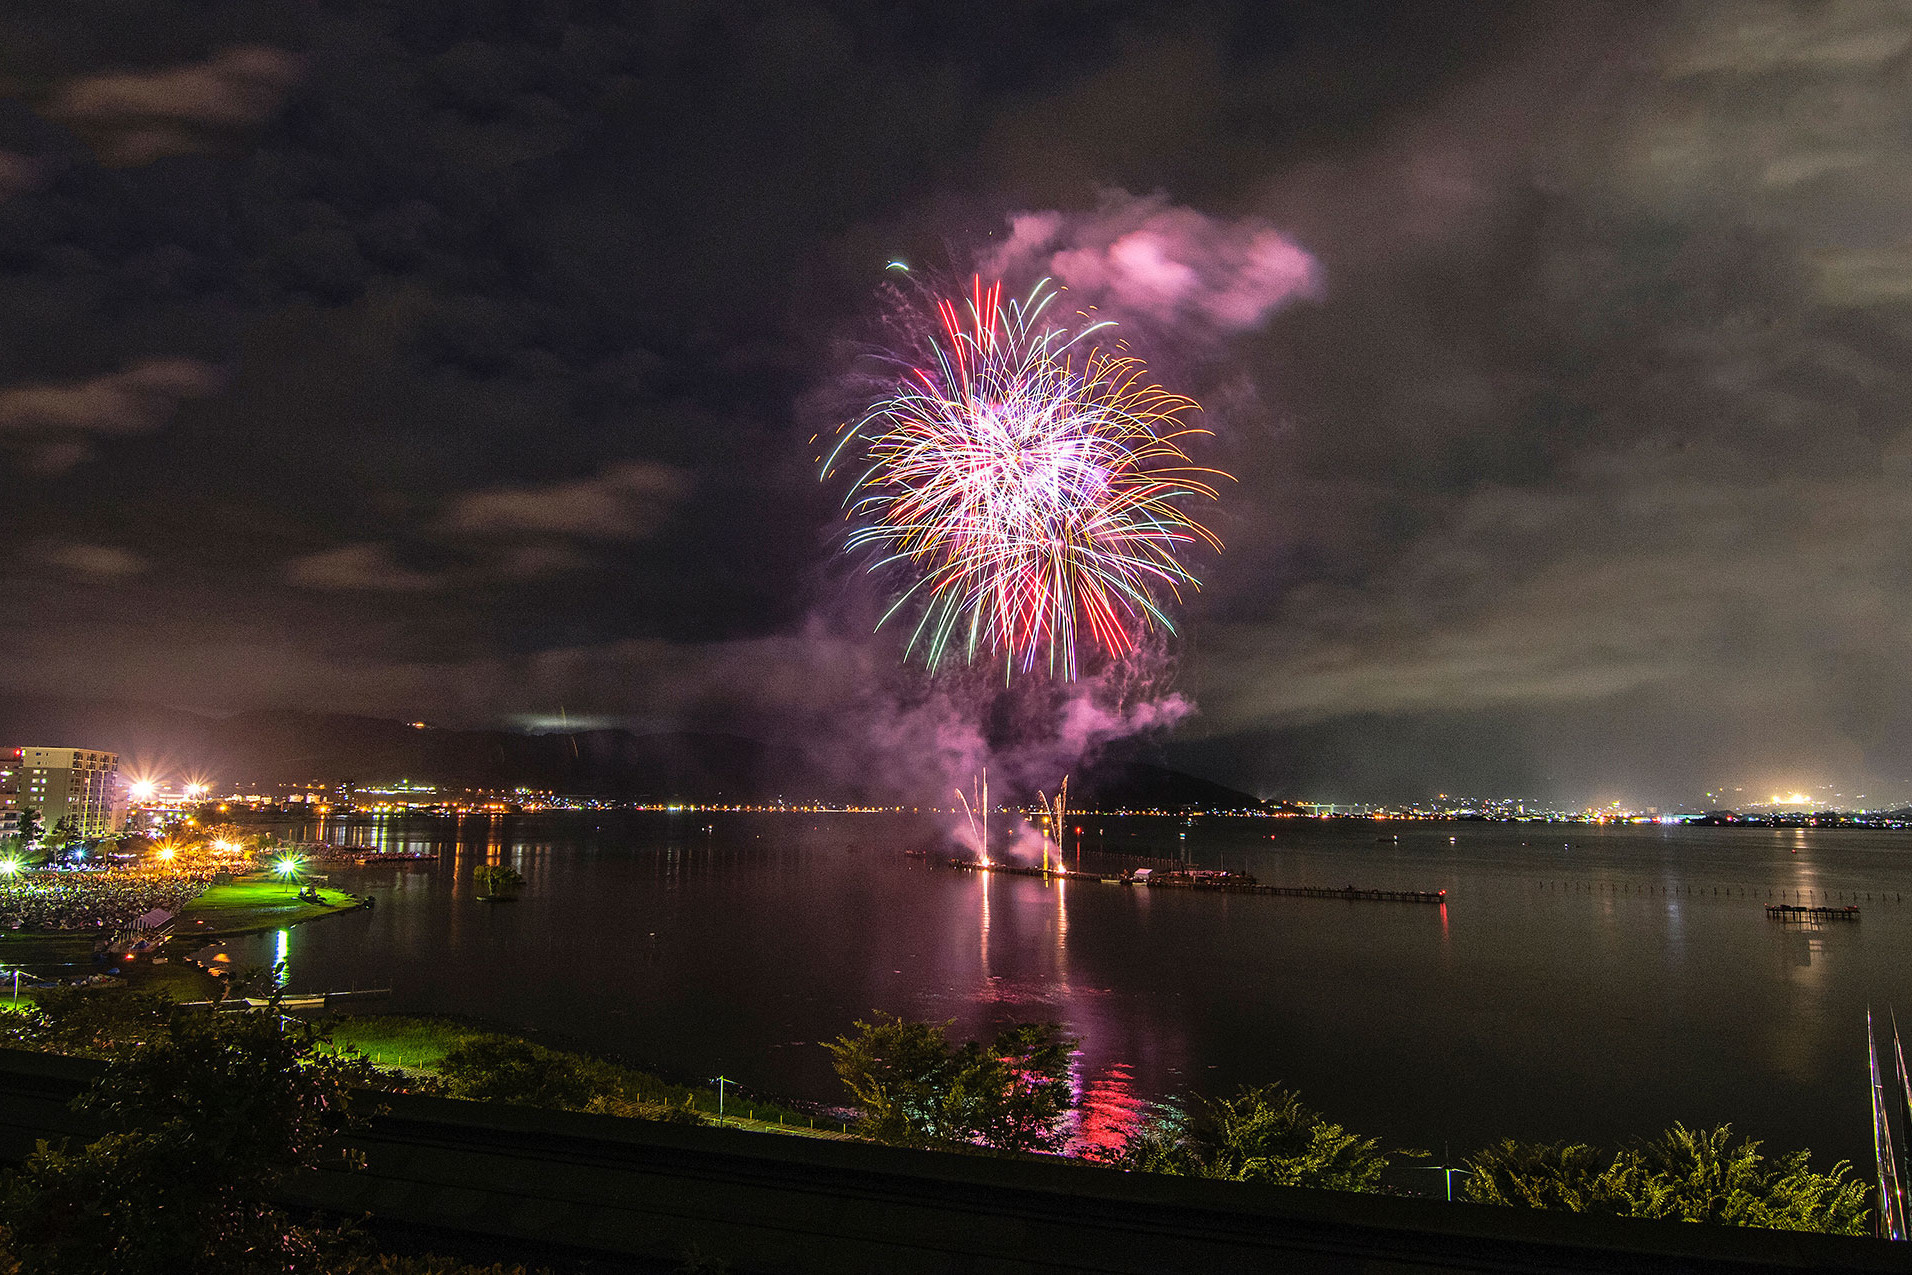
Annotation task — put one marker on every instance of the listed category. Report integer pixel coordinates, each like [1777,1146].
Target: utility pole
[721,1082]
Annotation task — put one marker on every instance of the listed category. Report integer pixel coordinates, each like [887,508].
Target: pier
[1169,881]
[1797,912]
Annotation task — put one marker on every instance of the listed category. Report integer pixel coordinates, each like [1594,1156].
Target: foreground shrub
[915,1087]
[1690,1175]
[1263,1134]
[203,1120]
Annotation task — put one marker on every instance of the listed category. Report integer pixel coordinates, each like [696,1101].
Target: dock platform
[1798,912]
[1171,882]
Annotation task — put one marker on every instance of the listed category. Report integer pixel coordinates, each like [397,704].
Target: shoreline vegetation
[910,1084]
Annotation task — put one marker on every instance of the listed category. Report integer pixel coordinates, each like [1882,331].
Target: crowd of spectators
[103,899]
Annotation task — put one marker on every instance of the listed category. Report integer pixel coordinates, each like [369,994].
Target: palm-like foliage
[1263,1134]
[1692,1175]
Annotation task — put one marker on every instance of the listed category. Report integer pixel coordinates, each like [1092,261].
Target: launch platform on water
[1200,879]
[1797,912]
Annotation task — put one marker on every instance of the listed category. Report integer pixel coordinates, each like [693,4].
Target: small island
[497,883]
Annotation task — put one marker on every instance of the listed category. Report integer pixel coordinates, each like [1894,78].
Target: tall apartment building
[77,783]
[9,808]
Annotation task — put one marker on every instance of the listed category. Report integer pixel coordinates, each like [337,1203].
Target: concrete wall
[772,1203]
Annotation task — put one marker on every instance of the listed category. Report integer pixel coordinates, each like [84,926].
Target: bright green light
[9,866]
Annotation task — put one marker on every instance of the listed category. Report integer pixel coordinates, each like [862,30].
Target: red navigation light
[1443,894]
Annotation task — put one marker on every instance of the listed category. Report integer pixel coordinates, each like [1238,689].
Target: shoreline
[68,951]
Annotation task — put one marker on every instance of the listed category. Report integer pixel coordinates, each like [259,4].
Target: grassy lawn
[247,907]
[176,980]
[419,1044]
[394,1040]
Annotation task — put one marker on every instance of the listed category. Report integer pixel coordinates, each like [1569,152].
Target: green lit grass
[248,907]
[415,1044]
[419,1044]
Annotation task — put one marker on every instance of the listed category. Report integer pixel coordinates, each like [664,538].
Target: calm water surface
[1581,983]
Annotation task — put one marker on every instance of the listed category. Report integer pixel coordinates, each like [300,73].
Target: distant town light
[142,789]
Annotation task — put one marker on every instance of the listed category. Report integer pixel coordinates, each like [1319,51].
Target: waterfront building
[9,803]
[81,784]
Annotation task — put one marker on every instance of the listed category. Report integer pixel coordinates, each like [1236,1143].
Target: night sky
[458,359]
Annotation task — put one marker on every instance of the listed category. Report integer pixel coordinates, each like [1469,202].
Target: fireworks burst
[1034,479]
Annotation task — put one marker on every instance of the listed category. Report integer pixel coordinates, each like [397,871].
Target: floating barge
[1225,883]
[1799,912]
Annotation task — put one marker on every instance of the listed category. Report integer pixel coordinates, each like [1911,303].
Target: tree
[1263,1134]
[30,826]
[900,1073]
[497,880]
[1014,1092]
[915,1087]
[203,1121]
[66,830]
[1692,1175]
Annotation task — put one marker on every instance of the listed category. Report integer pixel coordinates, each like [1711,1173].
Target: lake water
[1585,983]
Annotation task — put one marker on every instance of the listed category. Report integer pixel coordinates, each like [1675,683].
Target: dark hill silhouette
[277,747]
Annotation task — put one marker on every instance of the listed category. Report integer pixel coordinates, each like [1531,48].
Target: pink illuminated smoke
[1148,259]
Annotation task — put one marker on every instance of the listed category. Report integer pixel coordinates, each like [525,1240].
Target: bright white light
[9,866]
[142,789]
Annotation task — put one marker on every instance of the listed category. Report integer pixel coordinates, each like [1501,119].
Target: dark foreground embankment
[765,1203]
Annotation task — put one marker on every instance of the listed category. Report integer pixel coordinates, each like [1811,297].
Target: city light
[197,789]
[142,789]
[166,852]
[286,867]
[9,866]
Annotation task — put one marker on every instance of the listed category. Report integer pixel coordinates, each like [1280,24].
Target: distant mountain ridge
[279,747]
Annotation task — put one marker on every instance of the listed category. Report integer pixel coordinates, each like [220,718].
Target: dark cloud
[90,561]
[17,174]
[625,502]
[141,397]
[137,116]
[360,568]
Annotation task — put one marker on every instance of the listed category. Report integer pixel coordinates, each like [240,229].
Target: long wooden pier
[1176,882]
[1796,912]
